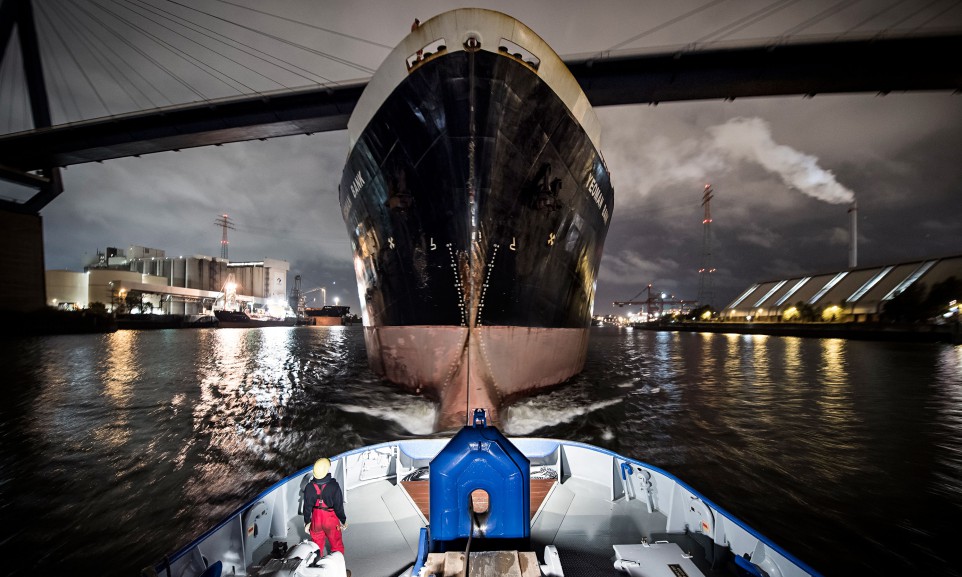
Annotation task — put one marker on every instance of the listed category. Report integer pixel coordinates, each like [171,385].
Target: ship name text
[595,191]
[358,184]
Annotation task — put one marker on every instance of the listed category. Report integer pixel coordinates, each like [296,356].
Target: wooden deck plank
[420,492]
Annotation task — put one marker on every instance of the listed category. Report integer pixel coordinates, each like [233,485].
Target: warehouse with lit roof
[854,295]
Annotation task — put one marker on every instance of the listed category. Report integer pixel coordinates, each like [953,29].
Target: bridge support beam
[21,260]
[21,227]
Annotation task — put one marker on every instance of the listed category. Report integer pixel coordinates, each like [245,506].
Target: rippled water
[116,449]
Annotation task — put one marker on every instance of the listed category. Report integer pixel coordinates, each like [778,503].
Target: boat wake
[528,416]
[415,414]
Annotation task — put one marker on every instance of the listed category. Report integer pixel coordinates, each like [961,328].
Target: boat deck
[576,516]
[420,493]
[582,511]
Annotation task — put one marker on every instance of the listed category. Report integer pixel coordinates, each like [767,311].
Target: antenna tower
[706,287]
[225,223]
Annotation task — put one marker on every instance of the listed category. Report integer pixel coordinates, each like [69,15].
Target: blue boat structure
[482,504]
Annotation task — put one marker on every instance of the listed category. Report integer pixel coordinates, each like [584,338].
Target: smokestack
[853,240]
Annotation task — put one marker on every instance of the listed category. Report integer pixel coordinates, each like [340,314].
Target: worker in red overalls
[324,508]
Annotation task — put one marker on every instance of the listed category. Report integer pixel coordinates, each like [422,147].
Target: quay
[871,331]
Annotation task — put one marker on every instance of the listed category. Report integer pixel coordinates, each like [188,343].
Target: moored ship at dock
[477,203]
[327,316]
[241,320]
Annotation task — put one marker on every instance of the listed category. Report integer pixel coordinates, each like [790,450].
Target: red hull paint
[498,362]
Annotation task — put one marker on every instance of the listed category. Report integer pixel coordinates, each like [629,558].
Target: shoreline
[916,333]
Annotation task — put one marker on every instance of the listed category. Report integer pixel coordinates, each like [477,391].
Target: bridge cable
[146,56]
[909,17]
[666,24]
[337,59]
[43,11]
[746,21]
[151,9]
[873,16]
[831,10]
[951,7]
[169,47]
[117,57]
[216,71]
[100,57]
[62,86]
[249,47]
[156,63]
[359,39]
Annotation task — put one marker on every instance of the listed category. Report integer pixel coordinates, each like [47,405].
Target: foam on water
[415,414]
[526,417]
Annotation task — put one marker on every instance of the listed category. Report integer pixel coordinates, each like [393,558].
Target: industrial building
[853,295]
[186,285]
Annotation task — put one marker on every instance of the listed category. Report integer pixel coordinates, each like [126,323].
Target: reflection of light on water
[123,366]
[833,359]
[760,354]
[793,359]
[835,400]
[268,383]
[732,364]
[244,390]
[949,411]
[120,376]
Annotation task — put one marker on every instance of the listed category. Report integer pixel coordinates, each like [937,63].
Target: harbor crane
[297,299]
[657,302]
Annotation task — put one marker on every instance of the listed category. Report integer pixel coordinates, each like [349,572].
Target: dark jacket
[330,492]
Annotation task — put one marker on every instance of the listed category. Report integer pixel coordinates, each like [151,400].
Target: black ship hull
[477,207]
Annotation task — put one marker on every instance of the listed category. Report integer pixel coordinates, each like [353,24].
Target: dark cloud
[893,153]
[897,154]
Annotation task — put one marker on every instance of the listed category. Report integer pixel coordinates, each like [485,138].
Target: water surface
[116,449]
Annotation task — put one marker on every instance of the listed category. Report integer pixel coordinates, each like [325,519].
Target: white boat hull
[600,503]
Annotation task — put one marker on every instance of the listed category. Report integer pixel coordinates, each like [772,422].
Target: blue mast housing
[480,458]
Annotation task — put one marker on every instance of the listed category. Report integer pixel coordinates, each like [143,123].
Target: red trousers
[326,526]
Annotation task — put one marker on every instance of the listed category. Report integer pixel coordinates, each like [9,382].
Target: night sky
[784,170]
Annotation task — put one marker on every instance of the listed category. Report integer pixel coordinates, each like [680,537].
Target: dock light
[337,301]
[791,313]
[831,313]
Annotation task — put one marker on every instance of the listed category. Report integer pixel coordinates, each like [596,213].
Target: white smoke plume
[750,139]
[663,162]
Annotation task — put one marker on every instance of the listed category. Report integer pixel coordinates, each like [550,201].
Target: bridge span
[868,65]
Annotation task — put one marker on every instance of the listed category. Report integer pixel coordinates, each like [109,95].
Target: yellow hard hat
[321,467]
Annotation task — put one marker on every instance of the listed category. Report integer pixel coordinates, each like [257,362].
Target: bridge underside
[879,65]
